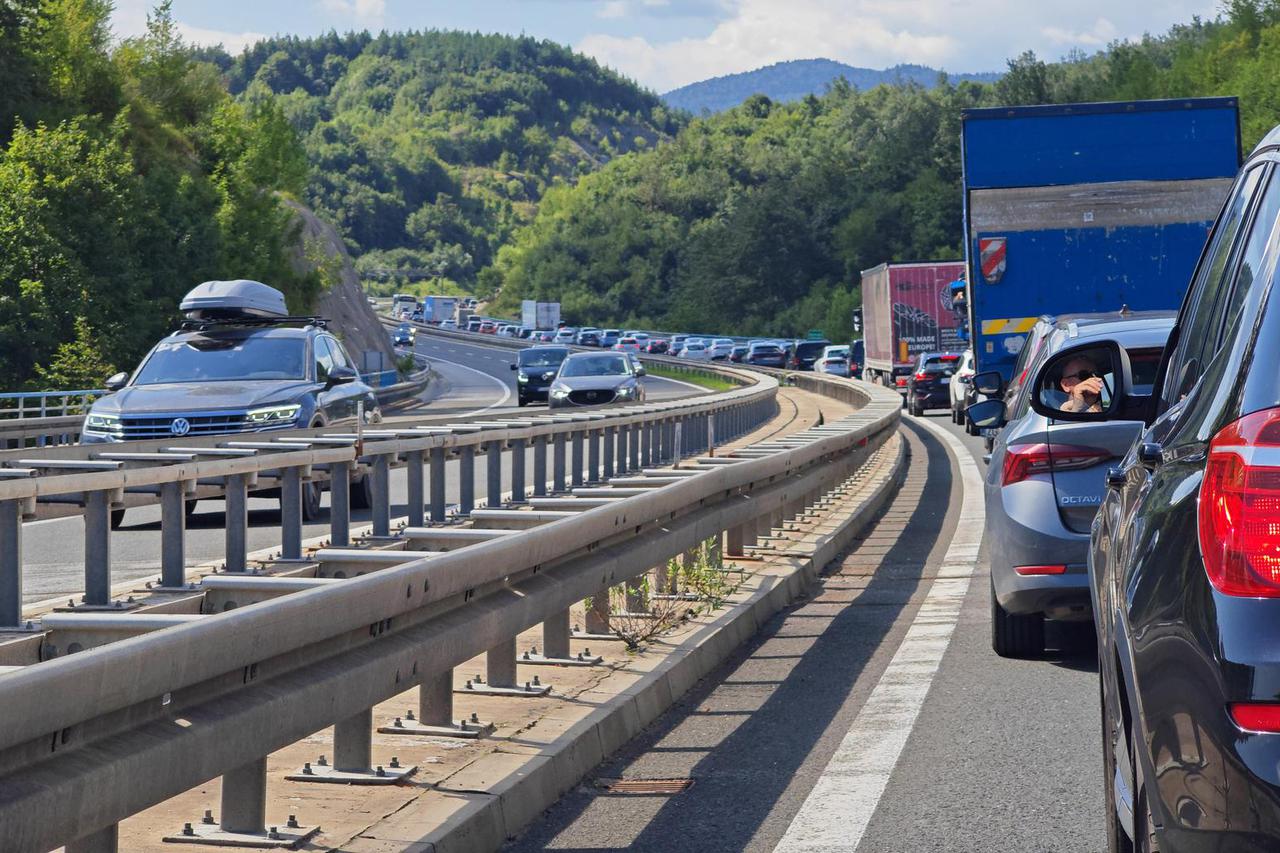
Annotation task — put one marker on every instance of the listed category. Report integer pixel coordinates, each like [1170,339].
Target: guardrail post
[97,548]
[244,799]
[353,743]
[517,470]
[500,664]
[593,455]
[340,504]
[539,466]
[173,531]
[467,479]
[633,446]
[106,840]
[578,461]
[609,439]
[237,521]
[597,621]
[557,463]
[290,514]
[623,433]
[415,462]
[435,700]
[555,636]
[493,465]
[10,563]
[382,495]
[739,538]
[677,440]
[437,484]
[646,444]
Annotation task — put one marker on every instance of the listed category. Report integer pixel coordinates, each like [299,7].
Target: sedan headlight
[522,378]
[102,424]
[559,392]
[274,415]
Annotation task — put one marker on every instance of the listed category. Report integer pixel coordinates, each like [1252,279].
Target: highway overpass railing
[114,706]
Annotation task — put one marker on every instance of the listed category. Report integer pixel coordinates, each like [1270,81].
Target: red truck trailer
[906,310]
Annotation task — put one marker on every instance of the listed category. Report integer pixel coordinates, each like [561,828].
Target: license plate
[946,380]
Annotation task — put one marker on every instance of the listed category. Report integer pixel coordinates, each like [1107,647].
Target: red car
[487,328]
[657,346]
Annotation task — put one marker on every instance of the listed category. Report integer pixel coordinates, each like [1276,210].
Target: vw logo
[180,426]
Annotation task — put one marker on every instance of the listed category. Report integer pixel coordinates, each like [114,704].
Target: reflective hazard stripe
[1009,326]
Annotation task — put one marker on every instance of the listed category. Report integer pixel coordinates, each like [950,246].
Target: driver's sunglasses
[1081,375]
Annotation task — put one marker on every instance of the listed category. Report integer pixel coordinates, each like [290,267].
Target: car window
[1199,326]
[324,359]
[597,365]
[1020,403]
[223,358]
[339,354]
[1264,221]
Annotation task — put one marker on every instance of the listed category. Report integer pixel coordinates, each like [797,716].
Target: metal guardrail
[93,737]
[43,404]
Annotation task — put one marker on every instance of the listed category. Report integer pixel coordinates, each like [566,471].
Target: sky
[668,43]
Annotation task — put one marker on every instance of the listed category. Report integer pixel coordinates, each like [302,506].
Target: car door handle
[1115,477]
[1150,454]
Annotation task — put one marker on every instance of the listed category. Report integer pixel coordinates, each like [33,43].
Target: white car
[721,348]
[695,351]
[834,360]
[566,336]
[448,326]
[627,345]
[961,385]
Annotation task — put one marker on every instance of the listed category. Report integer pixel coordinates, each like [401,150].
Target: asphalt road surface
[1000,755]
[476,381]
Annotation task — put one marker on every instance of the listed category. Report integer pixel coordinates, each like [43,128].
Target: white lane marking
[51,520]
[835,815]
[506,389]
[697,388]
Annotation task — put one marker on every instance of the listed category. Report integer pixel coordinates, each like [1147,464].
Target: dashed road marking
[836,813]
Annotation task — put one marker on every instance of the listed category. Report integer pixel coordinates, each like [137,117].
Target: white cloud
[613,9]
[968,35]
[368,13]
[233,42]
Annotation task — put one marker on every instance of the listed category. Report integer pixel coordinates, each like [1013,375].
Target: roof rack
[231,322]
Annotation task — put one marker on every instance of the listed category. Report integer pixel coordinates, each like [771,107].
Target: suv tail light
[1023,460]
[902,381]
[921,376]
[1240,507]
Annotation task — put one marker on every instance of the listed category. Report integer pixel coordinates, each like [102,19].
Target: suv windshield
[596,365]
[811,349]
[542,357]
[225,359]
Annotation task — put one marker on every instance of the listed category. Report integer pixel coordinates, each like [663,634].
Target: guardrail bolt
[535,650]
[526,686]
[525,656]
[188,829]
[536,682]
[322,762]
[586,650]
[117,603]
[379,771]
[208,817]
[306,765]
[292,822]
[398,723]
[475,718]
[395,762]
[408,715]
[274,833]
[469,685]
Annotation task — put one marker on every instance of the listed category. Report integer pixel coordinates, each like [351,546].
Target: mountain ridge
[794,79]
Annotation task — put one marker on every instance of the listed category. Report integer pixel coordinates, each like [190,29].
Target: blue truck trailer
[1087,208]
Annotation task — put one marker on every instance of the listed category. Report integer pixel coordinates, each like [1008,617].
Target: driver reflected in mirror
[1080,385]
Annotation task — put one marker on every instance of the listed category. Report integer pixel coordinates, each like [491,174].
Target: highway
[475,380]
[802,742]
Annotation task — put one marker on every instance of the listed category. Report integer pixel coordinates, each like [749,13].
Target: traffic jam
[1111,338]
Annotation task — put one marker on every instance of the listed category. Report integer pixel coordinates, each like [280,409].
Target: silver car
[1046,475]
[597,379]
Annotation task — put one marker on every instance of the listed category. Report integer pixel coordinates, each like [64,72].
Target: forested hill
[429,148]
[791,81]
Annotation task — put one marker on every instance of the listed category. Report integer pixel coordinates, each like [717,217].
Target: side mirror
[514,366]
[115,383]
[1086,382]
[341,375]
[640,371]
[990,383]
[988,414]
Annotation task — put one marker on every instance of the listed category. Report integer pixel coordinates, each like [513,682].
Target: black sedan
[536,368]
[766,355]
[929,385]
[1185,558]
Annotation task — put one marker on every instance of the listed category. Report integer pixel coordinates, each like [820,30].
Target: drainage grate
[644,786]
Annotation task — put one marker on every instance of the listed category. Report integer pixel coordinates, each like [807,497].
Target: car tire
[189,509]
[969,428]
[522,402]
[362,493]
[117,518]
[917,409]
[311,491]
[1015,635]
[1144,826]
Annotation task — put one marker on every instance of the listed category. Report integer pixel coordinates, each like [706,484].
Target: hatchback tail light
[902,381]
[1023,460]
[1256,716]
[1240,507]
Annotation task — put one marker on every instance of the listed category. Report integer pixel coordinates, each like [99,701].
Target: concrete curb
[501,793]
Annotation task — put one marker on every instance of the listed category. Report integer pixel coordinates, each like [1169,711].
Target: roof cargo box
[226,300]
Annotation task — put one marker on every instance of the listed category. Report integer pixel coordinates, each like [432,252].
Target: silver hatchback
[1046,475]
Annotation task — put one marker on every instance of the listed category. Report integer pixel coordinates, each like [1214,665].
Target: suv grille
[591,398]
[137,427]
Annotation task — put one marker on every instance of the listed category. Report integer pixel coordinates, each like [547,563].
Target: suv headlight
[102,424]
[522,377]
[559,392]
[626,391]
[274,415]
[549,375]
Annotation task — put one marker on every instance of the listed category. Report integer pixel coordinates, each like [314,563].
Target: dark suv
[228,371]
[1185,558]
[929,384]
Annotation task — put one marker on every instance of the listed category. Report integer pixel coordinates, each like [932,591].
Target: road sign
[816,335]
